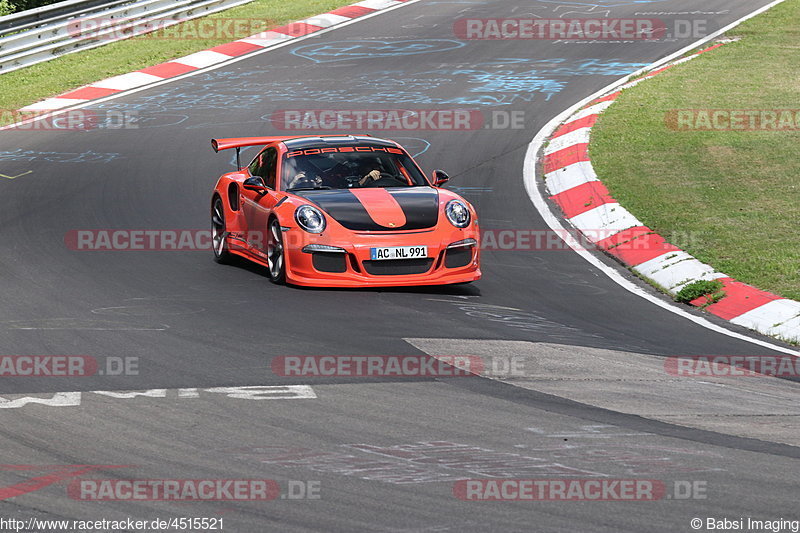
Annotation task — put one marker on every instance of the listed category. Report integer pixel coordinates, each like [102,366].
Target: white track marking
[672,270]
[780,317]
[267,39]
[59,399]
[605,220]
[131,80]
[377,4]
[257,392]
[596,109]
[202,59]
[47,105]
[325,20]
[566,178]
[579,136]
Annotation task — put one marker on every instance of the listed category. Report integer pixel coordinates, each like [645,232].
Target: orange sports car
[342,211]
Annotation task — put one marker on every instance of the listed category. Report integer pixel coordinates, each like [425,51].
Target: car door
[257,206]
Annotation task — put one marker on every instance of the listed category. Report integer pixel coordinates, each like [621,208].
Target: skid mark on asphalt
[444,461]
[164,309]
[48,475]
[412,463]
[625,458]
[599,431]
[82,324]
[518,319]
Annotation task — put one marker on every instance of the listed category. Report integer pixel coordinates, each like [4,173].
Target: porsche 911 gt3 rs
[342,211]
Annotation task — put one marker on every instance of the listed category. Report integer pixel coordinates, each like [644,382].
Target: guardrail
[41,34]
[27,19]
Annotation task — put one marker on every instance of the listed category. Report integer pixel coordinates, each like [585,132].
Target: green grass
[28,85]
[730,198]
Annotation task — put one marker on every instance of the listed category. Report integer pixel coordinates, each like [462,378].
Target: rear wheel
[219,243]
[276,254]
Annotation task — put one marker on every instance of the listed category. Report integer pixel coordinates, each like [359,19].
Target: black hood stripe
[420,206]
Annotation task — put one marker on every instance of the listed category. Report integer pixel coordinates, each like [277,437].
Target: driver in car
[305,180]
[371,171]
[373,175]
[306,176]
[309,176]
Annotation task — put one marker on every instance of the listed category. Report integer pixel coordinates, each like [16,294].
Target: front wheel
[276,253]
[218,241]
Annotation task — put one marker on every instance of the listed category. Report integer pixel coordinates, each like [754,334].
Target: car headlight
[310,219]
[457,213]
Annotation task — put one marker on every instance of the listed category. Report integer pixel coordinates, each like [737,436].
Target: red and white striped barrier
[206,58]
[584,200]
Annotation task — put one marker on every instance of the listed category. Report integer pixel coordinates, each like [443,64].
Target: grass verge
[28,85]
[730,198]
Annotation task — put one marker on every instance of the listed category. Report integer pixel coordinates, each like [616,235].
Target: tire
[219,244]
[276,253]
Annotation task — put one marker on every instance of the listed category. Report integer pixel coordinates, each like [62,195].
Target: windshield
[349,167]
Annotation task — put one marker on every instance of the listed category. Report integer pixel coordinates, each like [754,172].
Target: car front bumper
[319,261]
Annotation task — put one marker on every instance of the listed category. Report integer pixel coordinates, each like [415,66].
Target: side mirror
[256,183]
[440,177]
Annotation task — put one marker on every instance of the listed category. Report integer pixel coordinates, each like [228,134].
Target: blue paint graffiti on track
[499,82]
[58,157]
[368,49]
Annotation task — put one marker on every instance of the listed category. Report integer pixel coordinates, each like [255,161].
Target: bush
[712,290]
[6,8]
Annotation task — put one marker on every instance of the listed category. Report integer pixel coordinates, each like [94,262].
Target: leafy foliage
[711,289]
[6,7]
[22,5]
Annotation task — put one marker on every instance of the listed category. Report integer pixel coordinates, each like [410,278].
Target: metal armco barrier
[47,32]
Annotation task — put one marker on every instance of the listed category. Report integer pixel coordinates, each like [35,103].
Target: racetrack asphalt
[197,325]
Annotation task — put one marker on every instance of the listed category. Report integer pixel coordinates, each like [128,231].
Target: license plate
[398,252]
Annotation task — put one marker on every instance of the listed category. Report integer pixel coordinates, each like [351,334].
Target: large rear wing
[239,142]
